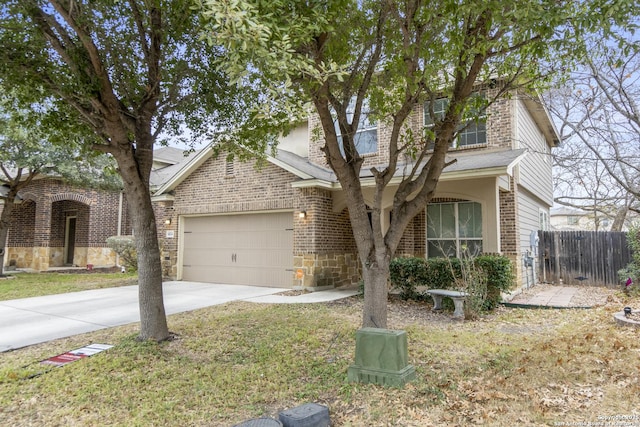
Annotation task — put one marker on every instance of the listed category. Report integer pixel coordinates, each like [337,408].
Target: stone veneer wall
[325,253]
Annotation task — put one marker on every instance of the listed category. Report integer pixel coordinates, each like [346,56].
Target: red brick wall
[97,213]
[22,229]
[508,221]
[499,131]
[40,220]
[323,231]
[210,190]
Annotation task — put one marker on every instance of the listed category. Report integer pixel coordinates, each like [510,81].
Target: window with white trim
[454,229]
[471,132]
[544,220]
[366,136]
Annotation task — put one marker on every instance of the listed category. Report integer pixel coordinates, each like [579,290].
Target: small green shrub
[483,277]
[630,275]
[406,274]
[500,277]
[125,247]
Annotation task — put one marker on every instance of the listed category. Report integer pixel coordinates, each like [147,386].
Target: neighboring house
[56,224]
[569,219]
[285,223]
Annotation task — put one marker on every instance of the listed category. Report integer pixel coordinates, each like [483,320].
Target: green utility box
[381,358]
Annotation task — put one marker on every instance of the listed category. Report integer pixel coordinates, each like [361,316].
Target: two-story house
[285,223]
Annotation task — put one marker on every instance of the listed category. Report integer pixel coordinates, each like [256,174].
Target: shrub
[483,277]
[125,247]
[406,274]
[632,270]
[500,277]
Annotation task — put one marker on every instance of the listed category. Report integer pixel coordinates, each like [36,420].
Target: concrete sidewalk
[553,297]
[31,321]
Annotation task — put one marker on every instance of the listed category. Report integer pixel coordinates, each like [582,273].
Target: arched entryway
[69,241]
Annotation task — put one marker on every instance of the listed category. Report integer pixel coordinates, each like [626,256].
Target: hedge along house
[285,223]
[56,224]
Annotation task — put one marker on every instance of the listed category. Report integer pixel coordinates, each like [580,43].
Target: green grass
[240,361]
[25,285]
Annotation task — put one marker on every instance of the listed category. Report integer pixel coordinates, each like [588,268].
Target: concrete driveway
[30,321]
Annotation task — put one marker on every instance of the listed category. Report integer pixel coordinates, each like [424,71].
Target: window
[454,229]
[544,220]
[470,132]
[366,137]
[573,219]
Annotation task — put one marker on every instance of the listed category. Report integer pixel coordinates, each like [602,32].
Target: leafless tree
[597,168]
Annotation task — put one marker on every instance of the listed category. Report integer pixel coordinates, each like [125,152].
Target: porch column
[42,235]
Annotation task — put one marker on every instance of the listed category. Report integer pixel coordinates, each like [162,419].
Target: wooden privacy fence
[582,257]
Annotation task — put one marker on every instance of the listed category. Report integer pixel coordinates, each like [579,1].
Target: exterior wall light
[302,214]
[167,221]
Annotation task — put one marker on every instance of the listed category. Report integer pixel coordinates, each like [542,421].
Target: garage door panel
[253,249]
[207,257]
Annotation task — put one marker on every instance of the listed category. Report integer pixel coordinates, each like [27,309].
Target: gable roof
[470,164]
[290,162]
[169,155]
[174,158]
[541,115]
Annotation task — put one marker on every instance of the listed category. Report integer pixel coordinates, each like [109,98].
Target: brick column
[42,235]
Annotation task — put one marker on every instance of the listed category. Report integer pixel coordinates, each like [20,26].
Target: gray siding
[528,218]
[535,169]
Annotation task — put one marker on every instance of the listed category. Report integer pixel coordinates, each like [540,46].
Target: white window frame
[440,107]
[364,127]
[457,239]
[544,220]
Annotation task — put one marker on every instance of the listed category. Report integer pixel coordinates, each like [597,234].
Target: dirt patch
[400,313]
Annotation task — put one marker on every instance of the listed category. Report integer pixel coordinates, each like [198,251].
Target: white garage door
[251,249]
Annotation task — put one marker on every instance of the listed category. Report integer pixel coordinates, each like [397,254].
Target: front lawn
[25,285]
[241,360]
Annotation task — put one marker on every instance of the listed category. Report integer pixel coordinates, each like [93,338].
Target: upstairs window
[366,136]
[471,132]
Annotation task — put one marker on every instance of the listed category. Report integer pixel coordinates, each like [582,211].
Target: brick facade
[324,249]
[38,237]
[324,252]
[500,135]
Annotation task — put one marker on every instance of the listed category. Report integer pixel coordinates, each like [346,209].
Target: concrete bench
[457,297]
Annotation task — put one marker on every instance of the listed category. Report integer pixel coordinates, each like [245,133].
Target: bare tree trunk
[153,320]
[376,290]
[618,221]
[5,218]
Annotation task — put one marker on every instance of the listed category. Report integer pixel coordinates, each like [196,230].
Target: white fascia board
[163,198]
[289,168]
[446,176]
[317,183]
